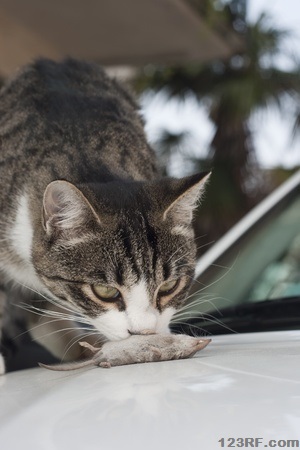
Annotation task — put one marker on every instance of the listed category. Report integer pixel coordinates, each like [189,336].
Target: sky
[272,137]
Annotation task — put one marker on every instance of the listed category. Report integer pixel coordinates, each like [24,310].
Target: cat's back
[72,120]
[64,93]
[70,93]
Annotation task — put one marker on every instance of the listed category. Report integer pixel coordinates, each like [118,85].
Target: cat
[93,241]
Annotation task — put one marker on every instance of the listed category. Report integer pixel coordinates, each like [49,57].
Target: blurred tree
[232,91]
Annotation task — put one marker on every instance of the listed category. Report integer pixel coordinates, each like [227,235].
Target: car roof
[239,386]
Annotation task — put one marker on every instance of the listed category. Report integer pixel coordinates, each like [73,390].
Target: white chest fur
[21,233]
[20,236]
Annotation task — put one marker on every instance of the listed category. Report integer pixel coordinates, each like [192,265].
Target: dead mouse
[138,349]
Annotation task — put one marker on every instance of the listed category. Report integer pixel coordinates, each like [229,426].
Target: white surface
[239,386]
[246,222]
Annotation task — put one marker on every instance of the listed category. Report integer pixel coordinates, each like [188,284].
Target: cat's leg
[12,320]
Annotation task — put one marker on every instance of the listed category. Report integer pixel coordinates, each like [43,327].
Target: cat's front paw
[141,349]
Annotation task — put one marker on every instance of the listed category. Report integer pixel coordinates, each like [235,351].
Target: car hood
[240,386]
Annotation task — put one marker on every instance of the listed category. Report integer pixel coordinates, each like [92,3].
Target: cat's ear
[65,209]
[184,195]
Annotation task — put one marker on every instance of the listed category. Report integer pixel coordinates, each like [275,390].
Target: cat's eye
[168,287]
[105,292]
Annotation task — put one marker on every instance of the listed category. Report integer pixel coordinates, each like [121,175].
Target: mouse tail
[68,366]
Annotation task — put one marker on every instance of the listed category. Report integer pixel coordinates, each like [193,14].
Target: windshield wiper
[267,315]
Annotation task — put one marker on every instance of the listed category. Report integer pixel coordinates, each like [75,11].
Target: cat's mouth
[143,332]
[117,325]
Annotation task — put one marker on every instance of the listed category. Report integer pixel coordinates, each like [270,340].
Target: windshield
[252,278]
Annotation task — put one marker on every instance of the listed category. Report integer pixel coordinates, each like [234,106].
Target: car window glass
[263,265]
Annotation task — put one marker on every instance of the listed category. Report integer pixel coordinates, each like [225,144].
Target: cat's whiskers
[78,339]
[187,311]
[71,314]
[204,245]
[50,312]
[187,253]
[174,253]
[36,327]
[189,314]
[197,302]
[43,313]
[193,329]
[100,341]
[55,317]
[190,310]
[184,255]
[71,308]
[198,298]
[208,318]
[182,246]
[67,329]
[53,313]
[214,282]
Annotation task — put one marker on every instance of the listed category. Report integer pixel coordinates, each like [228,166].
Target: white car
[242,391]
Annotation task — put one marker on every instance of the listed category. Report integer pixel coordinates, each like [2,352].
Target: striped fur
[82,203]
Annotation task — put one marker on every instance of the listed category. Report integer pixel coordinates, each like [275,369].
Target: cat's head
[122,253]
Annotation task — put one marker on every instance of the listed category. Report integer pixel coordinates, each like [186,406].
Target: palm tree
[233,90]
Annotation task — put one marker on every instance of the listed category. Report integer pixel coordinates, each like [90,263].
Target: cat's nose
[143,332]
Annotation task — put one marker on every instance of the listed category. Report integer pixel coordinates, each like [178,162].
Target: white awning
[111,32]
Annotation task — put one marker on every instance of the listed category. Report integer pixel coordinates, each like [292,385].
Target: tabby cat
[92,240]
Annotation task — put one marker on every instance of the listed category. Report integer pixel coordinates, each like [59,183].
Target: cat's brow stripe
[119,275]
[152,240]
[166,271]
[125,235]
